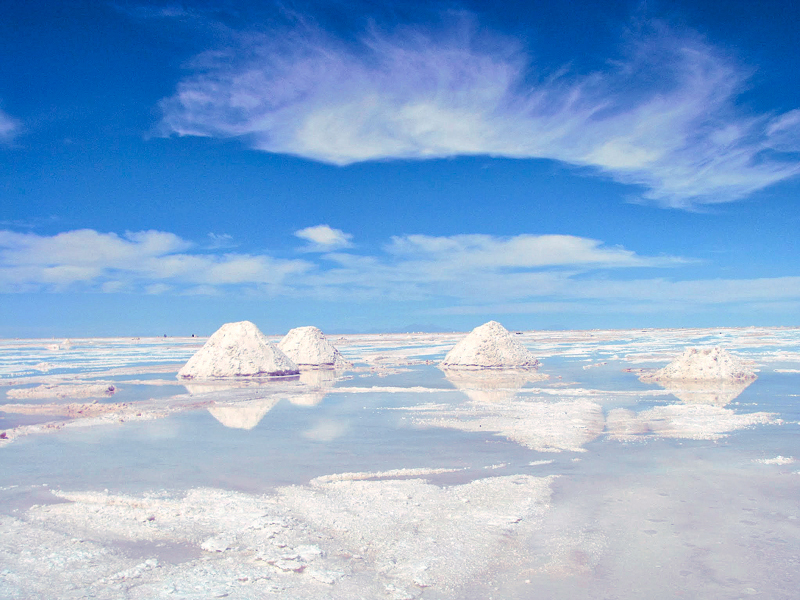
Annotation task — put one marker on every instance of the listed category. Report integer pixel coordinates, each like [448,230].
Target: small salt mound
[238,350]
[489,346]
[704,364]
[308,347]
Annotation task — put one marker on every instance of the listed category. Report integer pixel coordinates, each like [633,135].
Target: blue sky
[168,167]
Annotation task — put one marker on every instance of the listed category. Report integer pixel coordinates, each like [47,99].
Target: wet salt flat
[394,479]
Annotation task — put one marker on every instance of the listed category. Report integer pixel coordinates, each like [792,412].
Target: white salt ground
[489,346]
[238,350]
[308,347]
[340,539]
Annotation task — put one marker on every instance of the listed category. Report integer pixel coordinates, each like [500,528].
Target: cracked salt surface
[400,481]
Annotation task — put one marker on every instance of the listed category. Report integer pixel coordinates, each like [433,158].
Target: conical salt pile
[704,364]
[489,346]
[308,347]
[238,350]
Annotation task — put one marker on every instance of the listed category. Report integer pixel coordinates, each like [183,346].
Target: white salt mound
[489,346]
[308,347]
[704,364]
[238,350]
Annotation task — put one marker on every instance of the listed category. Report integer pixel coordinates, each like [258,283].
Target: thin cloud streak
[414,94]
[462,274]
[9,127]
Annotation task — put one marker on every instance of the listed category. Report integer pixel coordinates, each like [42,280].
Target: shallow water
[674,500]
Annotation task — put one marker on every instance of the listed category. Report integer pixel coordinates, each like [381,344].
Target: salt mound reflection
[715,393]
[319,381]
[244,415]
[210,386]
[491,386]
[247,414]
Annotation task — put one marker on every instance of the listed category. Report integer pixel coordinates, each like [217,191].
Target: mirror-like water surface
[395,479]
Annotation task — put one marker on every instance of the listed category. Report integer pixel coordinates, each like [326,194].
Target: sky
[167,167]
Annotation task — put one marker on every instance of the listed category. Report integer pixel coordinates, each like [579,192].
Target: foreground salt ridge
[86,390]
[489,346]
[308,347]
[342,538]
[238,350]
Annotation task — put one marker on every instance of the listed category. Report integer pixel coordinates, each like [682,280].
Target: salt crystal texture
[308,347]
[238,350]
[489,346]
[704,364]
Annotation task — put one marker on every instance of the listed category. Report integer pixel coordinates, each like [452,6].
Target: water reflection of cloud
[680,421]
[326,430]
[491,385]
[540,425]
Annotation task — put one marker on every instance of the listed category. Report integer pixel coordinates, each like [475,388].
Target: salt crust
[308,347]
[337,540]
[704,364]
[394,473]
[489,346]
[63,391]
[238,350]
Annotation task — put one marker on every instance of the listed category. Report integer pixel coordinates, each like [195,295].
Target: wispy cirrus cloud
[662,115]
[9,127]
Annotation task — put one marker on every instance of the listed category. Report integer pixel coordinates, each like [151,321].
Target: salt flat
[396,479]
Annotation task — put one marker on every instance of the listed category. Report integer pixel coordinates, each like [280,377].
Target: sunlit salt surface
[395,479]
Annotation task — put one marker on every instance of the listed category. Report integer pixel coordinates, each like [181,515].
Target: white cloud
[324,238]
[106,261]
[663,116]
[460,274]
